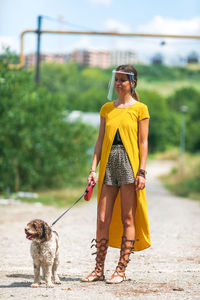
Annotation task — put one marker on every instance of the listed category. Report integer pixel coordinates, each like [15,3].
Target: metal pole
[182,146]
[37,70]
[184,110]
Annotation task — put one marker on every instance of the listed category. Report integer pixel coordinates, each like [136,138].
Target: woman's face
[122,83]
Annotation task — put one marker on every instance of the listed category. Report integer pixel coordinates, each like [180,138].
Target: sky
[142,16]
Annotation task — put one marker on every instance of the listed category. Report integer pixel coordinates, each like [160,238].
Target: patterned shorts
[118,169]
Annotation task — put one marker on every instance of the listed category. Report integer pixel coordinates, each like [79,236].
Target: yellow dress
[126,120]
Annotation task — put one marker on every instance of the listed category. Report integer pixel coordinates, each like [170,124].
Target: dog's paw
[42,282]
[35,285]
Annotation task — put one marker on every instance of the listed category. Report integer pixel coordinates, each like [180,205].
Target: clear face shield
[112,93]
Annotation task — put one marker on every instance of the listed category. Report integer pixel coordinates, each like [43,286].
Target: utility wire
[87,28]
[67,23]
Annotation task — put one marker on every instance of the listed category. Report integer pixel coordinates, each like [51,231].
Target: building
[193,58]
[122,58]
[80,56]
[103,59]
[89,58]
[157,59]
[99,59]
[30,59]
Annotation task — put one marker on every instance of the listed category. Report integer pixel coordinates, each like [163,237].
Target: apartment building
[101,59]
[30,59]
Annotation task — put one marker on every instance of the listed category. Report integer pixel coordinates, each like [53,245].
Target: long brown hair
[130,69]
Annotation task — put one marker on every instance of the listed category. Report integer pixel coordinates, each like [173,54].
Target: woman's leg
[105,209]
[104,215]
[128,208]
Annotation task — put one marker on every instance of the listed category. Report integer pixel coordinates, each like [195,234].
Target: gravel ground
[169,269]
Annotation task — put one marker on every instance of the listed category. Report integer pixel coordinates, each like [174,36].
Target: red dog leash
[87,195]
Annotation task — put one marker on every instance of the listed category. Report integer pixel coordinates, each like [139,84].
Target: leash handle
[89,190]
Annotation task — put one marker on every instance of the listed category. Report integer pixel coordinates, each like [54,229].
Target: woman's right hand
[92,177]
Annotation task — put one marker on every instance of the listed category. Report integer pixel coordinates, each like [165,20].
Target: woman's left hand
[139,183]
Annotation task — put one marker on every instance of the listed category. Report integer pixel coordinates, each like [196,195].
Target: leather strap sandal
[127,247]
[94,276]
[117,277]
[97,274]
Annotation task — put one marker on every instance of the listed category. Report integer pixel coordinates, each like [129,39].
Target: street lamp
[184,110]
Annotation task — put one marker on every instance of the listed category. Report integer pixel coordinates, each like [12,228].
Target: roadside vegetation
[39,149]
[61,197]
[184,182]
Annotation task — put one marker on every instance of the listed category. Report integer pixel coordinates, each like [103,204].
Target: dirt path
[170,269]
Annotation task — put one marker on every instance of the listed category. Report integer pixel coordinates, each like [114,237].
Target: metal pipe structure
[37,73]
[22,60]
[184,110]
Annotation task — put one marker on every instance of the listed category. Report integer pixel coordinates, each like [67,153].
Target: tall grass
[60,197]
[186,182]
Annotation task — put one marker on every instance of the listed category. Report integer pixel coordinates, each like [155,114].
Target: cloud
[174,48]
[104,2]
[84,42]
[171,26]
[116,26]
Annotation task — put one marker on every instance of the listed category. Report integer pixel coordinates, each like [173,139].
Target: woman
[122,147]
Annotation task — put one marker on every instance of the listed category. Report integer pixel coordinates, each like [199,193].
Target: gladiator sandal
[127,247]
[98,273]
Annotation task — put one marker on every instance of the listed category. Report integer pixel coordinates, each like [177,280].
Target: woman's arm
[143,151]
[97,150]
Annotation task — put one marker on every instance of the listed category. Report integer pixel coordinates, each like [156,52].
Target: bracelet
[142,173]
[92,171]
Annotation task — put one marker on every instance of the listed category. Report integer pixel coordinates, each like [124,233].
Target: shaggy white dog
[44,251]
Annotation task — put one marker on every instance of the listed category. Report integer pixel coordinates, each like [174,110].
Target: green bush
[163,129]
[190,98]
[39,149]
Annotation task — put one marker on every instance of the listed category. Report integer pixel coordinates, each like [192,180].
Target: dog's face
[38,231]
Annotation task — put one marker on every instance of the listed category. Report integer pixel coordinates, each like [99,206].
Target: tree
[81,88]
[39,148]
[163,131]
[190,98]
